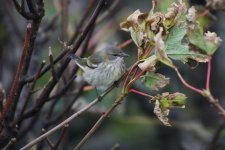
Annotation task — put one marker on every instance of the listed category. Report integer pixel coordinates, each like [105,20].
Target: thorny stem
[208,73]
[141,93]
[66,121]
[99,122]
[187,84]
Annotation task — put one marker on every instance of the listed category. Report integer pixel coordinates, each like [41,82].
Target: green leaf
[162,114]
[154,81]
[136,37]
[172,100]
[176,49]
[166,101]
[160,50]
[196,37]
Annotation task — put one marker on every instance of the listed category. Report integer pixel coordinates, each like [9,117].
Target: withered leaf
[160,49]
[166,101]
[154,81]
[149,63]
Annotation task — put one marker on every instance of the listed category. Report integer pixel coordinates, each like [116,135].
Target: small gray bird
[102,68]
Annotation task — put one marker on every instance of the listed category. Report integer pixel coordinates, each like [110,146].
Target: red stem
[13,89]
[125,43]
[187,84]
[131,69]
[208,73]
[140,93]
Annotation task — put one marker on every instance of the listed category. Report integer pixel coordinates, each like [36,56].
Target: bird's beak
[123,54]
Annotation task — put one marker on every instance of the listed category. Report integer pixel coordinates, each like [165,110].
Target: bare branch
[66,121]
[10,99]
[30,92]
[99,122]
[51,60]
[48,88]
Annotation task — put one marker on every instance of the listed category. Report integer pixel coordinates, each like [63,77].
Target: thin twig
[18,120]
[49,142]
[66,109]
[48,67]
[83,18]
[10,143]
[61,136]
[64,89]
[108,12]
[99,122]
[64,20]
[51,60]
[66,121]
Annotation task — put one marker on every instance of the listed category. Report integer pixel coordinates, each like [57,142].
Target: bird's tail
[77,60]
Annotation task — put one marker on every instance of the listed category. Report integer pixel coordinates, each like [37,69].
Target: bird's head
[112,52]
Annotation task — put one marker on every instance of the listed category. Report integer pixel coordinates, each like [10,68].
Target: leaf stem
[187,84]
[141,93]
[129,72]
[208,73]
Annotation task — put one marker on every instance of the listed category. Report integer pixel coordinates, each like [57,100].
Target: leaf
[174,13]
[166,101]
[208,43]
[161,114]
[149,63]
[172,100]
[137,37]
[178,50]
[155,81]
[160,50]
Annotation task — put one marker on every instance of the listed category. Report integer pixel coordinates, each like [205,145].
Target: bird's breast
[106,73]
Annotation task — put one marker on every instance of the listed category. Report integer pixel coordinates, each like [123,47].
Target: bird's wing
[79,61]
[94,60]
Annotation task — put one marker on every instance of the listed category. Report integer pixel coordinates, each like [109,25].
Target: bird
[102,68]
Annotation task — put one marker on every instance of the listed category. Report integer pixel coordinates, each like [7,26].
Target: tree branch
[66,121]
[10,99]
[99,122]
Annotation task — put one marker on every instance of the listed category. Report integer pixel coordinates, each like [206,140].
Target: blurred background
[133,125]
